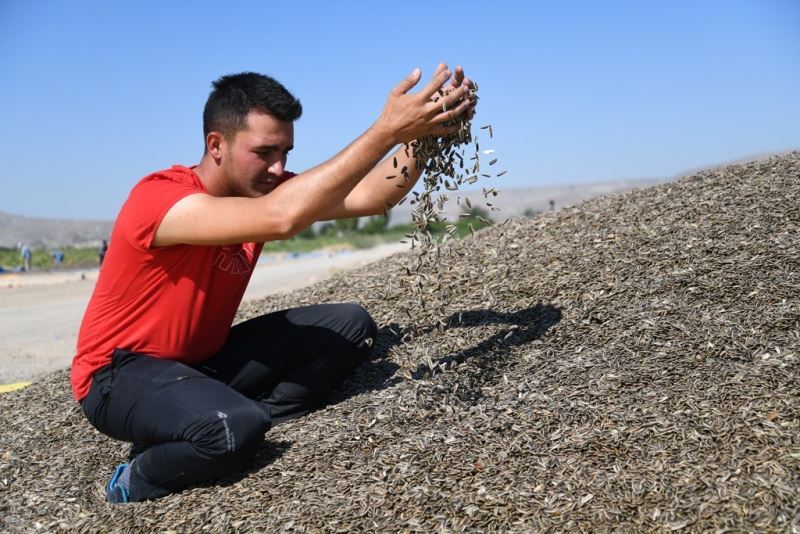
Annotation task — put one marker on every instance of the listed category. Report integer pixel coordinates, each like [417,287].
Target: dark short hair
[236,95]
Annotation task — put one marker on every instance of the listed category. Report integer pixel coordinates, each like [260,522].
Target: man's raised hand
[408,116]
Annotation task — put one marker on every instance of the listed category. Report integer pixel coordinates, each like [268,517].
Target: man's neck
[212,177]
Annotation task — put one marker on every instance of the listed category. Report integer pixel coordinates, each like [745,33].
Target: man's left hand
[459,79]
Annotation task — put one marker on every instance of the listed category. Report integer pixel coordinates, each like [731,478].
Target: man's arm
[206,220]
[375,193]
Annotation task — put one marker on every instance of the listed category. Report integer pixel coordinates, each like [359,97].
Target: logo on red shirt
[235,259]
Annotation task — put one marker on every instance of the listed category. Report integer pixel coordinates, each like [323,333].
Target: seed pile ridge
[630,363]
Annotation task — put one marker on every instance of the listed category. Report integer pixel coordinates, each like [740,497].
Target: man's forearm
[387,192]
[310,194]
[382,188]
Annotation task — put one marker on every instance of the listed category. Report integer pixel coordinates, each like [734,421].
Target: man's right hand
[408,116]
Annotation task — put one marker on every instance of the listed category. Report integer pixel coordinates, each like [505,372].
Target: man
[58,256]
[158,363]
[25,254]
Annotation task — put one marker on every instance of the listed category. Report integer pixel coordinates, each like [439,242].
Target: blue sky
[95,95]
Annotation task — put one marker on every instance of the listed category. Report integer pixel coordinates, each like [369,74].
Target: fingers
[449,99]
[469,83]
[410,81]
[473,98]
[472,87]
[470,113]
[454,113]
[436,82]
[458,78]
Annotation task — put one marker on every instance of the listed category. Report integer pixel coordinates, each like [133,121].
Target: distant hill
[514,202]
[41,232]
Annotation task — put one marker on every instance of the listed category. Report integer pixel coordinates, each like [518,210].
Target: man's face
[255,158]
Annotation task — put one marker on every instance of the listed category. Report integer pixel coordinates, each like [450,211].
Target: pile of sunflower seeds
[631,364]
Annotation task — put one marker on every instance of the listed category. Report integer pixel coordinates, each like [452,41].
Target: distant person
[101,252]
[158,363]
[58,257]
[552,204]
[26,255]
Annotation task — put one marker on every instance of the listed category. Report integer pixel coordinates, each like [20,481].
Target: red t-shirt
[175,302]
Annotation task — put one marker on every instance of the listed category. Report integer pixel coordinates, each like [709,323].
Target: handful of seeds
[445,162]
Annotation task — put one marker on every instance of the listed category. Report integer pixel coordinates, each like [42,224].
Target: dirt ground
[40,313]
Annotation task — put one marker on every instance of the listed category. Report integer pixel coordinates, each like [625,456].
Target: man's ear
[214,145]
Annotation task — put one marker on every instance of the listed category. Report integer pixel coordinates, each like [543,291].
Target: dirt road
[40,313]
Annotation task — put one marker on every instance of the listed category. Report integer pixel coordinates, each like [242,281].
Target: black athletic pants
[198,423]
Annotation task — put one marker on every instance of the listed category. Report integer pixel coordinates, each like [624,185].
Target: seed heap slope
[630,363]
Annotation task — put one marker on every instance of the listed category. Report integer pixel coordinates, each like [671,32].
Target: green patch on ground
[41,259]
[343,232]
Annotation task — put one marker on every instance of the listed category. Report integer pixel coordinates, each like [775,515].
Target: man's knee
[230,433]
[362,327]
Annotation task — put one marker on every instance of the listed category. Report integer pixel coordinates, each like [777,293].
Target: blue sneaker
[117,493]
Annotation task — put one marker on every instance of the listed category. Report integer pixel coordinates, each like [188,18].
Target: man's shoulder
[150,199]
[177,174]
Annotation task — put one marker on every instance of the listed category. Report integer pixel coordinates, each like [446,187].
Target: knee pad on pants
[229,432]
[362,329]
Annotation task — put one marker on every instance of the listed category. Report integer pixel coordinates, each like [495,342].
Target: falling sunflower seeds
[441,162]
